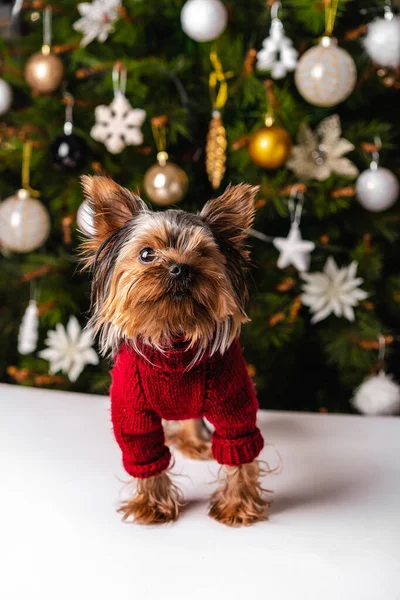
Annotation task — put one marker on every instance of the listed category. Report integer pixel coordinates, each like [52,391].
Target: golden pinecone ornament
[216,150]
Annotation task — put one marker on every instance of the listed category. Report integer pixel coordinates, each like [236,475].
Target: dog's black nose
[179,271]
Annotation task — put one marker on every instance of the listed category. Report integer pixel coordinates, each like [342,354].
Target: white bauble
[6,96]
[24,223]
[84,219]
[204,20]
[377,189]
[326,74]
[378,395]
[382,42]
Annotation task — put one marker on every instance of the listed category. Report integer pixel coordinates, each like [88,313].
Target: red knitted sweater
[147,389]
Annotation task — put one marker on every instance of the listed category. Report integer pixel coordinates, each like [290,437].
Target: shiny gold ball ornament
[269,147]
[24,223]
[165,183]
[216,150]
[326,74]
[44,72]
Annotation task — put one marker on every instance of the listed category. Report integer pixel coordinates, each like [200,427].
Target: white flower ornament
[334,291]
[320,154]
[97,19]
[69,349]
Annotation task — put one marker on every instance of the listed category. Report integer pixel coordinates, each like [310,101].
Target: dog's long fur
[139,303]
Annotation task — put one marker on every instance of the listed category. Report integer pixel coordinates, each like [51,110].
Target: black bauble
[68,152]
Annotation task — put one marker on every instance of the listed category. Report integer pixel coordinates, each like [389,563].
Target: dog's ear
[112,206]
[231,215]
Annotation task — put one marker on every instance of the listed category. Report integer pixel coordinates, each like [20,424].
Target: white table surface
[333,533]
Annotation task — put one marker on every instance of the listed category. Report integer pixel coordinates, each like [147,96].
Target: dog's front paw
[140,511]
[241,513]
[157,500]
[240,499]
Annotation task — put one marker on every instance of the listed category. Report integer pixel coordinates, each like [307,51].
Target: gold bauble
[269,147]
[165,183]
[44,72]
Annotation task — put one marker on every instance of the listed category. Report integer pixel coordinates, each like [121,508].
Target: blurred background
[177,99]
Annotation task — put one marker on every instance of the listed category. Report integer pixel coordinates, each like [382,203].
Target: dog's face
[164,275]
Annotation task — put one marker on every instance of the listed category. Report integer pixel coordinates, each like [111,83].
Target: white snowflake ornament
[118,125]
[294,250]
[378,395]
[277,54]
[97,19]
[69,349]
[334,291]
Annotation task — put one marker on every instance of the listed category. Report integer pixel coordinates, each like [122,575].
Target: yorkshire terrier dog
[168,301]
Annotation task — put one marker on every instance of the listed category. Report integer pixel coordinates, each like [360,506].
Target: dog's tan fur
[192,439]
[157,500]
[239,500]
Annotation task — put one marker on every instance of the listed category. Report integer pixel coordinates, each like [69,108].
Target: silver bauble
[6,96]
[203,20]
[377,189]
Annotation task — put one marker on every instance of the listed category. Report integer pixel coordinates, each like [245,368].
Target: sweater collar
[178,356]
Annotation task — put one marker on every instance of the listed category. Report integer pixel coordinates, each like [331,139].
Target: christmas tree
[300,98]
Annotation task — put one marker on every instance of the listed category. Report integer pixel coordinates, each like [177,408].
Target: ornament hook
[295,210]
[388,14]
[69,108]
[375,153]
[47,30]
[381,349]
[275,8]
[119,76]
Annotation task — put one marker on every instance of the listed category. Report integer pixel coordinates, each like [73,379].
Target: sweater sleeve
[232,409]
[137,427]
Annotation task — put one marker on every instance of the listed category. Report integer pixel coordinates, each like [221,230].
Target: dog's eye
[147,255]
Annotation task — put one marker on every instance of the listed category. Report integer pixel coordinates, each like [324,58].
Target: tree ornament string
[216,137]
[331,8]
[47,30]
[26,169]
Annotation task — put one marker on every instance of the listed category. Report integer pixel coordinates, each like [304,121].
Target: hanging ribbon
[159,129]
[331,7]
[26,169]
[218,82]
[47,30]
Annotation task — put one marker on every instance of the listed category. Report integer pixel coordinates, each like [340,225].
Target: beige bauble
[24,223]
[269,147]
[326,74]
[44,72]
[165,183]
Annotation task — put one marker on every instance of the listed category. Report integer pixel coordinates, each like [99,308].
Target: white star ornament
[294,250]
